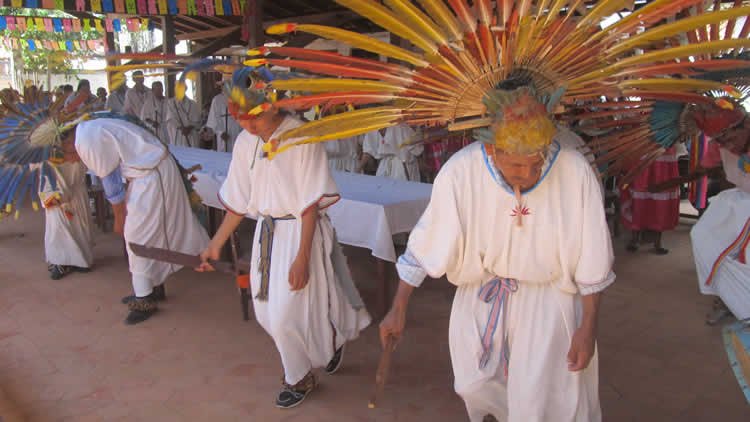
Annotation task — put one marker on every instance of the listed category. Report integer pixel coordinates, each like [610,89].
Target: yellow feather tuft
[35,206]
[8,208]
[278,29]
[16,215]
[255,62]
[179,90]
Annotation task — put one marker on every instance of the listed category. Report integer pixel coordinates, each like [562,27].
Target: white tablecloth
[371,210]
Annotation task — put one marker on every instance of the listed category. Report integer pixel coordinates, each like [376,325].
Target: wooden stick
[381,375]
[679,181]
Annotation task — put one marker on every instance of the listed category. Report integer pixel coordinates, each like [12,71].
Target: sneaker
[335,362]
[57,272]
[158,294]
[141,309]
[292,395]
[489,418]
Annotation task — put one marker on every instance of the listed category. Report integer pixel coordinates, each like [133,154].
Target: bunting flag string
[23,23]
[84,45]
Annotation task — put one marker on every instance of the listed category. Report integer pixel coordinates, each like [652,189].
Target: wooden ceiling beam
[234,37]
[196,22]
[317,18]
[210,33]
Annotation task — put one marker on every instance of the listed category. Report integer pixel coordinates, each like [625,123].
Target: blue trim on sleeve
[409,269]
[114,191]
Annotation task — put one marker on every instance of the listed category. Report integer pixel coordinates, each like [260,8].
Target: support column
[168,47]
[110,48]
[252,27]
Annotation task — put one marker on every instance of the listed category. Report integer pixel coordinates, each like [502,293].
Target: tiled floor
[65,354]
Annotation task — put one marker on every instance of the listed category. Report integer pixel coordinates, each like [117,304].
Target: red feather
[335,58]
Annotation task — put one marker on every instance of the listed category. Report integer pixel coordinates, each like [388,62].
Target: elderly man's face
[522,171]
[157,89]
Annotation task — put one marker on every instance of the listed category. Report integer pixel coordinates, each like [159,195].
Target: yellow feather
[316,127]
[602,9]
[417,18]
[554,11]
[666,84]
[391,22]
[363,127]
[683,51]
[334,85]
[663,32]
[443,16]
[660,56]
[365,43]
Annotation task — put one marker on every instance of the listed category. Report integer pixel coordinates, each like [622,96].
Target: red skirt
[643,210]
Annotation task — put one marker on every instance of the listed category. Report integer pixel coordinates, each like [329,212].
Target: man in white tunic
[395,162]
[521,231]
[116,99]
[224,125]
[157,207]
[183,122]
[343,154]
[154,112]
[300,290]
[135,98]
[721,236]
[68,238]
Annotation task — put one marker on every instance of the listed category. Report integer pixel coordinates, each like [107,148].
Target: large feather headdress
[462,52]
[30,143]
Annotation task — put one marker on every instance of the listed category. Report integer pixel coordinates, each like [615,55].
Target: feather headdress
[462,52]
[30,143]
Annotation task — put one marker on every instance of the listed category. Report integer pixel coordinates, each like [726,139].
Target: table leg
[385,292]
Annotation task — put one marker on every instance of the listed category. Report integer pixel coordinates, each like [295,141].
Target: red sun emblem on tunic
[520,210]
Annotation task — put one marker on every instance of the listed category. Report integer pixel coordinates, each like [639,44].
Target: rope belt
[266,247]
[495,291]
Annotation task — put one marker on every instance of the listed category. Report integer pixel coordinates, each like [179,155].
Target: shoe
[659,251]
[158,294]
[57,272]
[335,362]
[292,395]
[489,418]
[141,309]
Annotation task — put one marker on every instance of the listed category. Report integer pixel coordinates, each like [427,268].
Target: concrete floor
[65,354]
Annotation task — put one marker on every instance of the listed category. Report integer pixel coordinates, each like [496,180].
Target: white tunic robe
[562,250]
[158,210]
[183,114]
[155,110]
[115,101]
[718,239]
[221,121]
[307,326]
[395,162]
[343,154]
[134,101]
[69,241]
